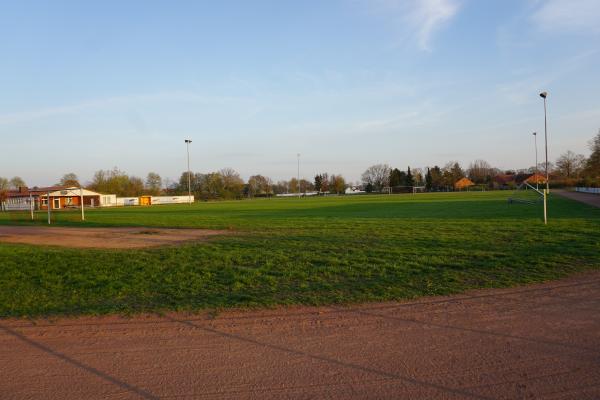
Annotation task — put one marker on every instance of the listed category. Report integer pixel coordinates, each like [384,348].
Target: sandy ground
[105,238]
[587,198]
[540,341]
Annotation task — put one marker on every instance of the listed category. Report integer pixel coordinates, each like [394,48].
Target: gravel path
[587,198]
[540,341]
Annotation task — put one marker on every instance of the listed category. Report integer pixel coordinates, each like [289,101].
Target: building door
[56,203]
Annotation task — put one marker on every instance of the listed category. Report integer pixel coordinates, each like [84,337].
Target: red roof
[25,192]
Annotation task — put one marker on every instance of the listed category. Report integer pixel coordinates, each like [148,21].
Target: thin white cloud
[579,16]
[418,20]
[24,116]
[429,16]
[524,90]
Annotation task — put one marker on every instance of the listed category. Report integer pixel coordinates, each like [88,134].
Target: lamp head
[188,141]
[534,133]
[544,94]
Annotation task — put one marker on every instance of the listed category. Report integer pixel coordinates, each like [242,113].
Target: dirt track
[538,341]
[587,198]
[104,238]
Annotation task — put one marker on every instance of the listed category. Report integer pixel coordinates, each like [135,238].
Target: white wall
[127,201]
[171,199]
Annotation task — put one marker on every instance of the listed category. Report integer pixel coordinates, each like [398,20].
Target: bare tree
[259,185]
[153,183]
[570,164]
[69,180]
[378,176]
[4,186]
[16,182]
[480,171]
[592,167]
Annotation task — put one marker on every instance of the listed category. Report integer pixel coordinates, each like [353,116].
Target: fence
[588,190]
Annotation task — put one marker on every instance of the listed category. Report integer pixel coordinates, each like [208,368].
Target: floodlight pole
[544,95]
[187,142]
[81,200]
[537,183]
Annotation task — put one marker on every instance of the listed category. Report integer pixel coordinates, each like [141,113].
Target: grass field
[303,251]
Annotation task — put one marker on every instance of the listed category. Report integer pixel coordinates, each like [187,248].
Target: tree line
[569,169]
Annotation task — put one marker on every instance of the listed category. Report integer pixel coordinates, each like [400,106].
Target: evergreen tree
[410,181]
[318,182]
[428,180]
[395,177]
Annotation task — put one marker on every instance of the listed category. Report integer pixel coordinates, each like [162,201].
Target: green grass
[303,251]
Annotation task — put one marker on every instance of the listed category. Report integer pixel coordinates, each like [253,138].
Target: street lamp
[187,142]
[537,180]
[543,95]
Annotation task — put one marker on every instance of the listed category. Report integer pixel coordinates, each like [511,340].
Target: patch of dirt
[534,342]
[103,238]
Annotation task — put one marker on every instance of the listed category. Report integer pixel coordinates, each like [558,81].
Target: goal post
[528,194]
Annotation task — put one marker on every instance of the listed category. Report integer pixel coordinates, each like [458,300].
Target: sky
[346,83]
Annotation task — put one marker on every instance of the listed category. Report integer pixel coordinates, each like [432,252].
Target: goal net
[526,194]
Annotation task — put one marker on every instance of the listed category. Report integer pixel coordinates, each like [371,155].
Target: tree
[258,185]
[592,166]
[428,180]
[378,176]
[153,183]
[451,173]
[437,180]
[69,180]
[134,186]
[570,165]
[395,177]
[305,186]
[480,172]
[233,184]
[325,182]
[337,184]
[409,180]
[117,182]
[280,187]
[293,185]
[318,182]
[4,186]
[16,182]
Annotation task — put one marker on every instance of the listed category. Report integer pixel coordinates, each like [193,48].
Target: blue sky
[347,83]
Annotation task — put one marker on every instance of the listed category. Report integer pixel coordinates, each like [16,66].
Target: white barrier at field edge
[587,190]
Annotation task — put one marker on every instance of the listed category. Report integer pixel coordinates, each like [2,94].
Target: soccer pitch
[302,251]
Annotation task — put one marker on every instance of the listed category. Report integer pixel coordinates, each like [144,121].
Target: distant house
[354,190]
[71,197]
[24,198]
[463,183]
[504,181]
[536,178]
[60,197]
